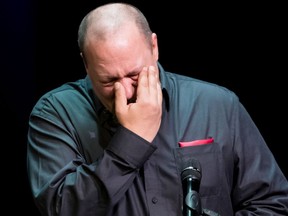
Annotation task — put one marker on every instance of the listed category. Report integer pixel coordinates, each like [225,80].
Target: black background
[241,46]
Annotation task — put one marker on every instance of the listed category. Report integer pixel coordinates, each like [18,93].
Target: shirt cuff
[131,147]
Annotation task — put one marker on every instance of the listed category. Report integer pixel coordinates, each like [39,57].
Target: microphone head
[191,168]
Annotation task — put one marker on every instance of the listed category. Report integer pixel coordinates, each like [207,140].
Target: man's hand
[144,116]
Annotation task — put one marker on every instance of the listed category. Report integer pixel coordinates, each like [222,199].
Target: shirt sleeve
[260,186]
[63,183]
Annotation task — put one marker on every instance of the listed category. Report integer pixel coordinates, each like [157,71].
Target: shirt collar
[165,85]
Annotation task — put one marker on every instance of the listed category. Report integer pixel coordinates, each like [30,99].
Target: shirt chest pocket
[211,166]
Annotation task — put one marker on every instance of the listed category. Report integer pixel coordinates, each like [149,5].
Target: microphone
[191,177]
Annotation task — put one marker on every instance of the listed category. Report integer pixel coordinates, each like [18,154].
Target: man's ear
[84,59]
[155,47]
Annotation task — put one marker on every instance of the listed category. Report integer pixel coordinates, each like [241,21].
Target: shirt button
[154,200]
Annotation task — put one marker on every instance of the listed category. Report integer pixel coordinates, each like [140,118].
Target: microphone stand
[192,206]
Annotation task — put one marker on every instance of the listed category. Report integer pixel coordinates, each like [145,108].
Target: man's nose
[129,86]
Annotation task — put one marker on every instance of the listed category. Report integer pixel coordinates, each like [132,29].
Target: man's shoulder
[188,90]
[67,95]
[190,83]
[68,89]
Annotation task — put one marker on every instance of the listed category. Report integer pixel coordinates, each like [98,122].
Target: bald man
[117,142]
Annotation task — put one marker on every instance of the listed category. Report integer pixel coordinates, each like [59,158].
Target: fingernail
[116,85]
[151,68]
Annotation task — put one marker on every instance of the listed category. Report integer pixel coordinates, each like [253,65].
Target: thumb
[120,97]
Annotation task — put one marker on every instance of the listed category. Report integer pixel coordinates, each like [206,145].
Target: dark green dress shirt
[81,162]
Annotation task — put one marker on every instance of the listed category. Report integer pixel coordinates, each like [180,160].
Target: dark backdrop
[240,46]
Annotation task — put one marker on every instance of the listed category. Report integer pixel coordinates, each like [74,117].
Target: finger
[152,80]
[158,87]
[154,85]
[159,93]
[142,89]
[120,97]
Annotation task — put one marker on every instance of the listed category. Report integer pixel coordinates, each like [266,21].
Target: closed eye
[134,76]
[111,80]
[109,83]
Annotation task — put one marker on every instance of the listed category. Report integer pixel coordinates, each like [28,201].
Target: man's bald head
[106,20]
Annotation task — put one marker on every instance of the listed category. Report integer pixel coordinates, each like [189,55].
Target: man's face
[120,59]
